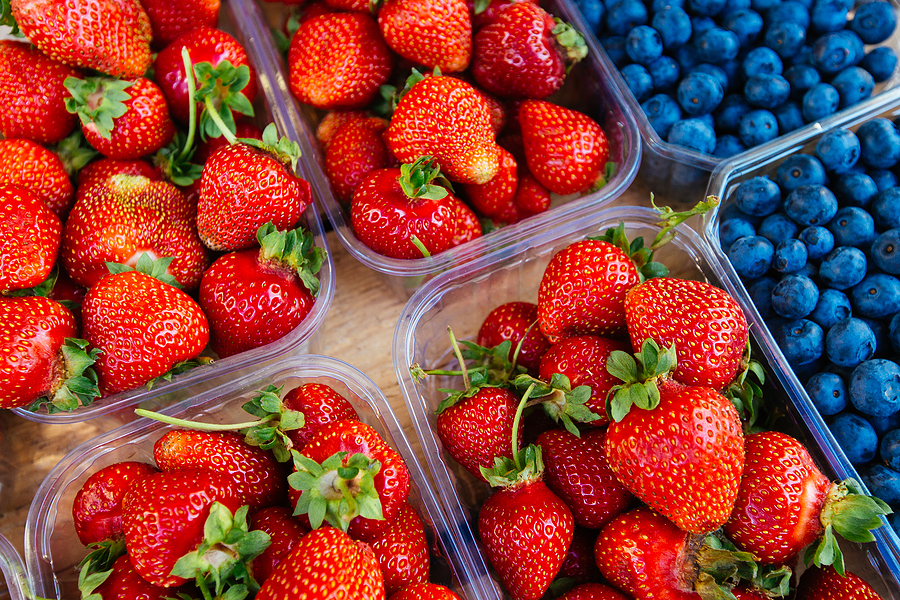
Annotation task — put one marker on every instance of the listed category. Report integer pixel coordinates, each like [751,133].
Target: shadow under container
[462,298]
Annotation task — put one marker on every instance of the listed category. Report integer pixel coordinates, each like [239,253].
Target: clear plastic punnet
[462,298]
[13,582]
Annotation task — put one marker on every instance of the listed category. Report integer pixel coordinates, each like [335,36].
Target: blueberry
[767,91]
[673,25]
[615,49]
[874,22]
[777,227]
[751,256]
[790,256]
[877,296]
[833,306]
[789,116]
[811,205]
[758,127]
[758,196]
[761,294]
[883,178]
[786,38]
[801,341]
[882,334]
[706,8]
[804,56]
[875,387]
[701,24]
[852,226]
[664,71]
[745,23]
[843,267]
[834,52]
[716,45]
[728,114]
[658,5]
[801,78]
[728,145]
[593,12]
[854,189]
[643,44]
[855,436]
[810,269]
[638,80]
[828,392]
[853,84]
[625,15]
[708,119]
[686,57]
[880,62]
[883,425]
[798,170]
[849,342]
[890,449]
[795,296]
[761,61]
[699,93]
[789,10]
[885,209]
[820,101]
[662,112]
[819,241]
[696,134]
[828,15]
[885,251]
[718,73]
[882,482]
[731,230]
[838,150]
[735,5]
[894,332]
[764,5]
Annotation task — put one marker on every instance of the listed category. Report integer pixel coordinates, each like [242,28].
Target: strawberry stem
[214,115]
[459,357]
[515,428]
[192,106]
[672,219]
[200,426]
[418,244]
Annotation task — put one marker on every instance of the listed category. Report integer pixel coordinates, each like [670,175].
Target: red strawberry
[328,561]
[29,165]
[283,529]
[97,172]
[348,5]
[579,564]
[97,508]
[437,33]
[576,470]
[206,148]
[316,78]
[356,149]
[124,583]
[494,198]
[566,150]
[29,238]
[517,323]
[32,94]
[705,323]
[275,284]
[424,591]
[110,36]
[821,583]
[334,120]
[169,20]
[468,227]
[320,405]
[402,551]
[593,591]
[484,13]
[448,119]
[531,198]
[525,52]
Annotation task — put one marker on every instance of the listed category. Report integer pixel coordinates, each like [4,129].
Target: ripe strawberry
[517,323]
[576,470]
[468,227]
[169,20]
[448,119]
[334,120]
[348,5]
[579,565]
[593,591]
[123,582]
[206,148]
[402,551]
[275,284]
[424,591]
[97,508]
[820,583]
[531,198]
[356,149]
[329,562]
[29,238]
[437,33]
[495,198]
[319,80]
[566,150]
[404,213]
[485,13]
[525,52]
[96,173]
[320,405]
[284,531]
[125,217]
[142,326]
[29,165]
[32,94]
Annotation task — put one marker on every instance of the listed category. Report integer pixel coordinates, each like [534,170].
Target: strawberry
[705,323]
[437,33]
[593,591]
[328,562]
[125,217]
[110,36]
[97,172]
[29,165]
[121,582]
[577,470]
[142,326]
[402,551]
[276,283]
[579,565]
[531,198]
[32,94]
[525,52]
[424,591]
[810,506]
[515,322]
[29,238]
[334,120]
[448,119]
[169,20]
[319,80]
[206,148]
[485,12]
[283,530]
[494,198]
[404,213]
[820,583]
[97,508]
[356,149]
[348,5]
[320,405]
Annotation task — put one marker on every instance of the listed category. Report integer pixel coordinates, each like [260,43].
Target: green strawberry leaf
[80,385]
[97,101]
[283,149]
[294,249]
[75,152]
[571,40]
[219,90]
[423,179]
[7,19]
[506,473]
[670,219]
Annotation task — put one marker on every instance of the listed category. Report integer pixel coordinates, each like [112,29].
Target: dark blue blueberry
[673,25]
[849,342]
[761,61]
[880,62]
[801,78]
[701,24]
[843,267]
[834,52]
[883,178]
[790,256]
[820,101]
[883,425]
[894,332]
[758,127]
[885,251]
[804,56]
[686,57]
[728,114]
[811,270]
[735,5]
[854,189]
[706,8]
[659,5]
[819,241]
[795,296]
[732,70]
[879,142]
[763,6]
[874,22]
[767,91]
[708,119]
[874,387]
[662,112]
[718,73]
[732,229]
[833,306]
[751,256]
[854,84]
[882,482]
[643,44]
[777,227]
[852,226]
[625,15]
[696,134]
[885,209]
[890,449]
[828,392]
[786,38]
[882,335]
[811,205]
[615,49]
[593,12]
[789,10]
[728,145]
[801,341]
[761,294]
[856,437]
[798,170]
[699,94]
[789,116]
[664,71]
[838,150]
[877,296]
[758,196]
[638,80]
[745,23]
[828,15]
[716,45]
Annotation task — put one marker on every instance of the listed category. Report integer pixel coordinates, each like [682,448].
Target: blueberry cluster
[818,249]
[721,76]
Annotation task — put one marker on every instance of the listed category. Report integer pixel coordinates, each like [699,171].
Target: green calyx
[670,219]
[219,90]
[75,152]
[178,368]
[640,374]
[79,385]
[336,492]
[559,401]
[174,161]
[640,255]
[282,148]
[156,268]
[98,101]
[294,249]
[96,567]
[526,466]
[7,19]
[571,40]
[423,179]
[721,567]
[745,392]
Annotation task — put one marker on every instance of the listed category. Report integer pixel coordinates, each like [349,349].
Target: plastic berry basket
[587,89]
[241,19]
[51,545]
[462,298]
[675,172]
[12,573]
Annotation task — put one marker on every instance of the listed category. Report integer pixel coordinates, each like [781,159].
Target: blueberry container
[587,89]
[463,297]
[13,583]
[51,545]
[241,19]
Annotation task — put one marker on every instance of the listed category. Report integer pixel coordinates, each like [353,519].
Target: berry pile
[722,76]
[816,245]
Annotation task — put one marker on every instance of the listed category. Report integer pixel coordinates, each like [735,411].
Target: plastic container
[587,89]
[461,299]
[13,583]
[242,19]
[51,545]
